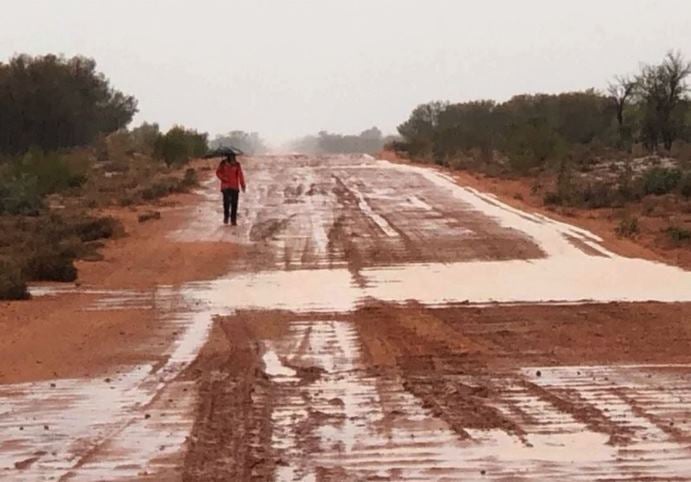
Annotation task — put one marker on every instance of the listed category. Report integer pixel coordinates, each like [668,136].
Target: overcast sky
[286,68]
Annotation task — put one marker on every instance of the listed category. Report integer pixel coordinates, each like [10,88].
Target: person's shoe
[225,221]
[234,224]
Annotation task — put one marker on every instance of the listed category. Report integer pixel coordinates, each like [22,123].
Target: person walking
[232,180]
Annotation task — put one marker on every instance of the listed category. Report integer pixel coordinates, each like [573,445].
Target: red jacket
[231,176]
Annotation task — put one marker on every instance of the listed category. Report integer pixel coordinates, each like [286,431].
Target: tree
[248,142]
[621,90]
[179,145]
[144,137]
[51,102]
[662,91]
[419,130]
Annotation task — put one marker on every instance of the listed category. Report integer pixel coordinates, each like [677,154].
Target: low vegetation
[627,149]
[61,163]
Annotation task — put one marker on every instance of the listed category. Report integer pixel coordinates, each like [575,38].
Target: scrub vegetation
[627,149]
[66,154]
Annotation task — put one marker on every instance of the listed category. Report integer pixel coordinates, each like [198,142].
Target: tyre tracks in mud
[417,380]
[380,322]
[398,393]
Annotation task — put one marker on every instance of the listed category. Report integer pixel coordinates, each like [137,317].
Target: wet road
[324,240]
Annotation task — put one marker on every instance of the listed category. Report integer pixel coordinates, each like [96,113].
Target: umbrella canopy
[223,151]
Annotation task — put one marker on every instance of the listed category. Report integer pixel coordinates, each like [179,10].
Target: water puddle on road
[126,424]
[347,423]
[351,425]
[555,279]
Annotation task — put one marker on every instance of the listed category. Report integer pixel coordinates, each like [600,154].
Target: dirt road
[374,321]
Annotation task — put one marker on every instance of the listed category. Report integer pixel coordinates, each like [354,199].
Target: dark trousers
[230,205]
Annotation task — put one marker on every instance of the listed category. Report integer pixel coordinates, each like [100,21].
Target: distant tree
[306,145]
[371,134]
[661,92]
[419,130]
[621,90]
[461,127]
[248,142]
[368,141]
[179,145]
[144,137]
[51,102]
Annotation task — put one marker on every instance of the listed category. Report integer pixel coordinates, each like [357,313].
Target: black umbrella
[223,151]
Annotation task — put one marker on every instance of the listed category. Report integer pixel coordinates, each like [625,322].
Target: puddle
[370,213]
[118,426]
[364,427]
[554,279]
[348,413]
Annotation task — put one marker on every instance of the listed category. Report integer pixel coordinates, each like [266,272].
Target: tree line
[51,102]
[50,105]
[368,141]
[651,109]
[248,142]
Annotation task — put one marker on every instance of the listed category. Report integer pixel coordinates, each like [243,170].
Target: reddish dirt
[54,336]
[430,349]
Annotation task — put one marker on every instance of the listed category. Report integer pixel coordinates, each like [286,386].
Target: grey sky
[292,67]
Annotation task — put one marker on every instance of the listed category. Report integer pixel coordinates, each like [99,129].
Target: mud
[452,393]
[370,321]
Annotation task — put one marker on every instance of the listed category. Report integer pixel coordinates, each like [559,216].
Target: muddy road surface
[376,321]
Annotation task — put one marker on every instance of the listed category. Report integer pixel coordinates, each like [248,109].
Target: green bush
[685,185]
[49,263]
[52,171]
[169,185]
[92,229]
[45,247]
[679,234]
[19,195]
[190,179]
[628,227]
[12,282]
[160,188]
[552,198]
[25,180]
[597,195]
[179,145]
[661,180]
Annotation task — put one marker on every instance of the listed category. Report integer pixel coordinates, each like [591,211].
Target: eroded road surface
[380,322]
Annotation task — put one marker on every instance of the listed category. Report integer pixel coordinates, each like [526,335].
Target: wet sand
[366,320]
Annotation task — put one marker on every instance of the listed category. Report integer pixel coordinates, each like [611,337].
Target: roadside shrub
[169,185]
[552,199]
[12,282]
[679,234]
[50,264]
[93,229]
[53,172]
[179,145]
[19,195]
[597,195]
[628,227]
[160,188]
[190,179]
[661,180]
[685,185]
